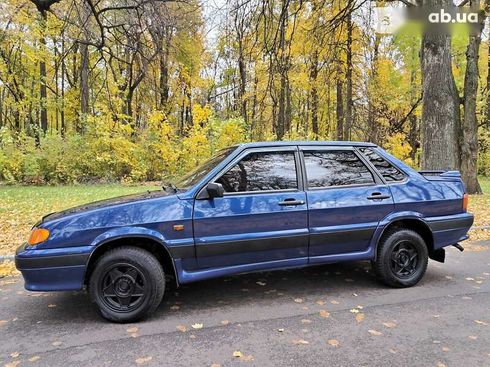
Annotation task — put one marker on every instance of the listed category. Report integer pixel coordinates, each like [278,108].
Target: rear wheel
[127,284]
[402,258]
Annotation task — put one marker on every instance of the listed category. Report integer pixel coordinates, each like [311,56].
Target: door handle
[378,196]
[291,202]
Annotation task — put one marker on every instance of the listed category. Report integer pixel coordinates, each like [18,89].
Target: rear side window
[262,171]
[385,168]
[335,168]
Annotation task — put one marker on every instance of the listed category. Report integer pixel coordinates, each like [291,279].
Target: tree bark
[340,109]
[314,93]
[440,110]
[372,120]
[348,77]
[43,90]
[84,87]
[469,138]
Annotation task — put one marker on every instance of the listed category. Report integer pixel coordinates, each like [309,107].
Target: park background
[105,98]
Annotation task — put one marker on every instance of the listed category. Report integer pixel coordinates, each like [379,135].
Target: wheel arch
[414,223]
[150,243]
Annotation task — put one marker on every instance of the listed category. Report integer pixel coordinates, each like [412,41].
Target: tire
[127,284]
[402,258]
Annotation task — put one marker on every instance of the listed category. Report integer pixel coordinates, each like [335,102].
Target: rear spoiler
[442,175]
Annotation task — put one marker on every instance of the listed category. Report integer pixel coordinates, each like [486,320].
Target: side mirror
[215,190]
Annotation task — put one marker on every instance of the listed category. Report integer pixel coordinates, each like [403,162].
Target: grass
[23,206]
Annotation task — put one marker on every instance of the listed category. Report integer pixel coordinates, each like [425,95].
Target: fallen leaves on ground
[56,343]
[300,342]
[389,324]
[34,359]
[197,326]
[14,355]
[333,342]
[7,268]
[324,313]
[143,360]
[298,300]
[360,317]
[374,332]
[181,328]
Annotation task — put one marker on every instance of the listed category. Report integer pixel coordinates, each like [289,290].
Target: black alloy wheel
[127,284]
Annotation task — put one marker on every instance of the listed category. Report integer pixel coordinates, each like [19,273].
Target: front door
[262,216]
[346,201]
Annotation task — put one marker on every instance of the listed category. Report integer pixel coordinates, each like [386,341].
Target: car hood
[105,204]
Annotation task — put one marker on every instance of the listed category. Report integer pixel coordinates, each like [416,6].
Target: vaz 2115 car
[252,207]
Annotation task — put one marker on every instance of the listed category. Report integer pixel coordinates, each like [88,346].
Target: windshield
[198,174]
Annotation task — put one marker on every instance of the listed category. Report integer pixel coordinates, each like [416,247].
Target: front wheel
[127,284]
[402,258]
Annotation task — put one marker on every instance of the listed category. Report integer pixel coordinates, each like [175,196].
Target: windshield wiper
[170,186]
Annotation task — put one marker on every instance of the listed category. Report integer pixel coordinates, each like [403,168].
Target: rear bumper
[449,230]
[52,270]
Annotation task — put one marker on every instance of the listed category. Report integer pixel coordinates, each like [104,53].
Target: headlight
[38,235]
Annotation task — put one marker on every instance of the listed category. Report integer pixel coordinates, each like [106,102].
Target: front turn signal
[38,235]
[465,202]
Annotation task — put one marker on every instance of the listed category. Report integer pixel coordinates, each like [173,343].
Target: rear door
[262,216]
[346,201]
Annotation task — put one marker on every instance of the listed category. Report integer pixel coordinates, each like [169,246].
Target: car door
[346,201]
[262,216]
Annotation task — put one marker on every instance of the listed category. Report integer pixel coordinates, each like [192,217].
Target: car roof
[263,144]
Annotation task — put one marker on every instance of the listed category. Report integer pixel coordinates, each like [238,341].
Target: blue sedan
[252,207]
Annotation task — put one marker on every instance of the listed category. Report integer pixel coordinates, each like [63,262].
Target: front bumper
[52,269]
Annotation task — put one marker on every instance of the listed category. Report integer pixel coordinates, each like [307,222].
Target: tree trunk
[242,82]
[372,120]
[469,141]
[283,70]
[314,93]
[348,76]
[43,91]
[340,109]
[413,135]
[164,75]
[440,110]
[84,87]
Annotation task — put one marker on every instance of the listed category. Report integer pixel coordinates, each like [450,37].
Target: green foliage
[110,151]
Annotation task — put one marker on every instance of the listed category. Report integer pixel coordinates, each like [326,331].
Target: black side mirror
[215,190]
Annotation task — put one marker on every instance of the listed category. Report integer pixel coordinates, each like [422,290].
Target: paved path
[335,315]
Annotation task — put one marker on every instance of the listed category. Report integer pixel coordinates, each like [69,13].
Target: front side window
[262,171]
[385,168]
[335,168]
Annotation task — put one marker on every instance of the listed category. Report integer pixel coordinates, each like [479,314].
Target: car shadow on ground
[264,288]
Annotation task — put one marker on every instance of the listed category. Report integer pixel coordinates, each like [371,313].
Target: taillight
[465,202]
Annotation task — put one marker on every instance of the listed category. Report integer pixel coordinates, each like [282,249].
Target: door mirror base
[211,191]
